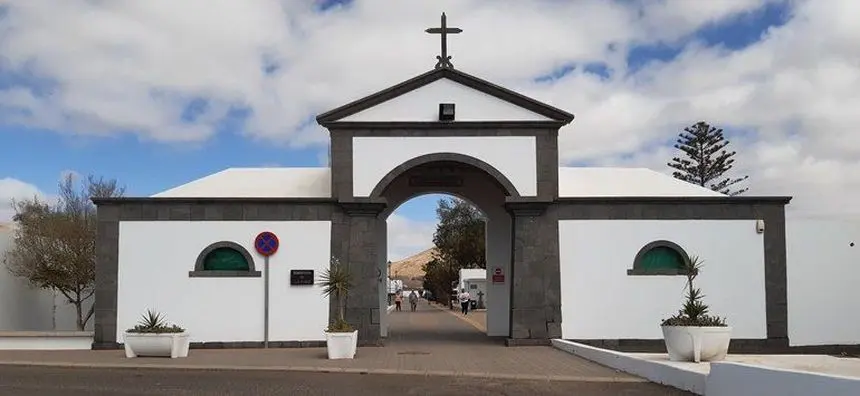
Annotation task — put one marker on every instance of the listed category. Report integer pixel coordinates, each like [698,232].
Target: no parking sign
[266,243]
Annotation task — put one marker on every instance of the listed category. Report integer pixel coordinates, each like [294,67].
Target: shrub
[336,282]
[154,323]
[694,312]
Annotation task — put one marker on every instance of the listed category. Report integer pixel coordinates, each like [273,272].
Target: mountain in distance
[411,269]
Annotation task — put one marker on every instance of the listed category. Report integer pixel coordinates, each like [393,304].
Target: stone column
[354,241]
[107,265]
[535,274]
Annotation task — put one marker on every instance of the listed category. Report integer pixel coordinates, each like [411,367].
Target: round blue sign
[266,243]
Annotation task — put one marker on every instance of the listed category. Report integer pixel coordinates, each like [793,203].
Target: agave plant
[154,322]
[336,282]
[694,312]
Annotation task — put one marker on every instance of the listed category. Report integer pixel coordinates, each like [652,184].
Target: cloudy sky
[157,93]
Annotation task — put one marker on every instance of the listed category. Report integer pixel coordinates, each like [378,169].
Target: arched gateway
[442,131]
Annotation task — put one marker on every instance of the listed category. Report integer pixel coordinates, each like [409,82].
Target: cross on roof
[444,60]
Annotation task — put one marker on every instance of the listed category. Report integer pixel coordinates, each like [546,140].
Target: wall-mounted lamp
[759,226]
[446,112]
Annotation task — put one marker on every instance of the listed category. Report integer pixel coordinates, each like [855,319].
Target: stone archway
[500,180]
[473,180]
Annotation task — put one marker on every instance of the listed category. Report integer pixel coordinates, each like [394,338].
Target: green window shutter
[225,259]
[660,259]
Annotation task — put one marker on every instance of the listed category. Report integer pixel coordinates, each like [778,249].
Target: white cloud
[407,237]
[14,189]
[129,65]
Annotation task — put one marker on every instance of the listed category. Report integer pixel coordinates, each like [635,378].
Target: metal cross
[444,60]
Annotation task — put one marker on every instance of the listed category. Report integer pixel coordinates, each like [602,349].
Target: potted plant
[693,334]
[341,337]
[152,336]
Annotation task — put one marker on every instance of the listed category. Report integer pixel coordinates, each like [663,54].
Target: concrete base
[761,375]
[518,342]
[46,340]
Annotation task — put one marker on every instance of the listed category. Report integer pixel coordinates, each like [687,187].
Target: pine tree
[706,160]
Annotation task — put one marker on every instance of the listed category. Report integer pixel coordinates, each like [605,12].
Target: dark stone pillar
[775,275]
[535,274]
[354,242]
[107,256]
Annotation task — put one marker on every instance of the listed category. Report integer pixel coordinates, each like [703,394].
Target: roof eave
[784,200]
[499,92]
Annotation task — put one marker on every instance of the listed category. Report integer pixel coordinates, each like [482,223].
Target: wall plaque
[302,277]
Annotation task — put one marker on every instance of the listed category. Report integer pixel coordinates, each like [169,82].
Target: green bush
[694,312]
[336,282]
[154,323]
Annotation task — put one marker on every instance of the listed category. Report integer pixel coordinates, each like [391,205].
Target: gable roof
[468,80]
[257,183]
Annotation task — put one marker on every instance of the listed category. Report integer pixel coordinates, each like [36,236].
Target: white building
[474,281]
[591,254]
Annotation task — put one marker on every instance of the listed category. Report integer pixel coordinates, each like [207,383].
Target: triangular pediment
[417,100]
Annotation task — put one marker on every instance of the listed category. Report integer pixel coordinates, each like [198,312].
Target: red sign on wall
[498,276]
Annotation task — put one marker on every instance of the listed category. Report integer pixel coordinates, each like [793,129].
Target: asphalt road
[42,381]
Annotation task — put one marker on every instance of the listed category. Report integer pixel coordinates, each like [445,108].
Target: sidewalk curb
[345,370]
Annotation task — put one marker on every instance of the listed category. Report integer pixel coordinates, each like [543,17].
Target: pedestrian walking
[398,300]
[413,300]
[464,299]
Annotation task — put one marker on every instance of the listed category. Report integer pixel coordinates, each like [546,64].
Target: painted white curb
[650,370]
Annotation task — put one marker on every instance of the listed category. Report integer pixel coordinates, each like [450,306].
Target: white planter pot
[341,345]
[697,344]
[173,345]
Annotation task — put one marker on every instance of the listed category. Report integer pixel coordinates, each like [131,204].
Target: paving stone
[431,340]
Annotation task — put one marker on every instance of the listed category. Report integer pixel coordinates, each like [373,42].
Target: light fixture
[446,112]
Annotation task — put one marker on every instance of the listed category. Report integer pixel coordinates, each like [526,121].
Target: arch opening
[439,169]
[412,197]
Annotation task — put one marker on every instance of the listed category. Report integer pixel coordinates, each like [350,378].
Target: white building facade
[590,254]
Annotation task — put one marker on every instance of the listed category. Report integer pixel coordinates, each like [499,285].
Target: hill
[411,269]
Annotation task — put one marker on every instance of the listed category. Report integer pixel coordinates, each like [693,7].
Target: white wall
[470,274]
[513,156]
[600,301]
[422,104]
[731,379]
[26,308]
[155,258]
[823,282]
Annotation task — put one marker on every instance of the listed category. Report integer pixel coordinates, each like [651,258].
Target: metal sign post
[266,302]
[266,244]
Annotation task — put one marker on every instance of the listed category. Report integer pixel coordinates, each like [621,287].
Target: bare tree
[55,244]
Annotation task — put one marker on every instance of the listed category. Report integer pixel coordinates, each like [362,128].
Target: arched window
[224,259]
[660,258]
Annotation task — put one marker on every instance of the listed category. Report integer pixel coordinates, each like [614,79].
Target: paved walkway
[52,381]
[431,341]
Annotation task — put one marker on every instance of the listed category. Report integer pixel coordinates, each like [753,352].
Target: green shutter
[660,259]
[225,259]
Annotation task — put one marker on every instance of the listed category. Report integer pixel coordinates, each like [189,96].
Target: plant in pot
[153,336]
[341,337]
[692,334]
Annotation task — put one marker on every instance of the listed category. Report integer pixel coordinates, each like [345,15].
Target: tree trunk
[80,314]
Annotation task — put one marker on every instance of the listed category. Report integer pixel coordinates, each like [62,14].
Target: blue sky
[147,167]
